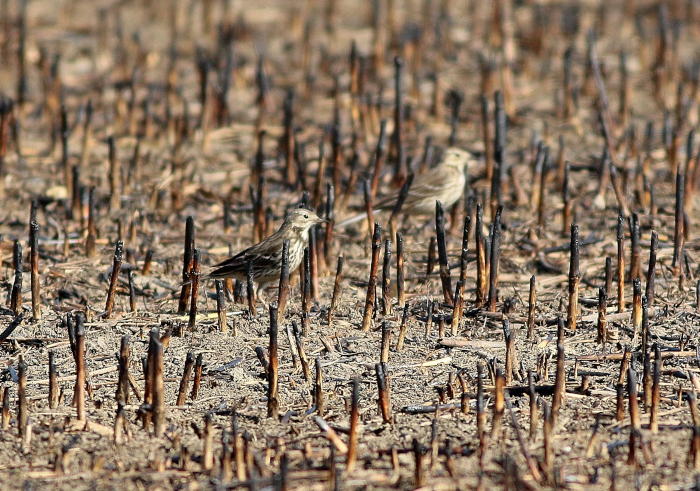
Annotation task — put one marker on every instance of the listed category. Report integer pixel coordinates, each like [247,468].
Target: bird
[266,255]
[444,183]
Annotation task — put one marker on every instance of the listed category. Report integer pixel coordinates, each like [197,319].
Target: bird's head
[456,157]
[301,220]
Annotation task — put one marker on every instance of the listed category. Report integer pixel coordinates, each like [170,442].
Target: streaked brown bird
[444,182]
[266,255]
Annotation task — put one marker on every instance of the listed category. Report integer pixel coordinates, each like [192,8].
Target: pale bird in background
[444,183]
[266,255]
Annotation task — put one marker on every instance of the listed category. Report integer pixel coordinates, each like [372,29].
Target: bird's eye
[306,216]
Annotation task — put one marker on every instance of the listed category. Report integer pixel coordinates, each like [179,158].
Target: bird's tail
[354,219]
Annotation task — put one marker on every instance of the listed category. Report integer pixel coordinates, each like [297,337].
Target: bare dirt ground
[184,146]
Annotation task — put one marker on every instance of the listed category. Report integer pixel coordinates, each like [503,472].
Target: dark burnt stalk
[432,249]
[569,106]
[384,392]
[336,289]
[122,394]
[620,263]
[284,288]
[195,276]
[259,160]
[306,292]
[185,380]
[647,381]
[250,289]
[636,253]
[379,158]
[372,282]
[624,97]
[481,275]
[537,176]
[330,223]
[418,475]
[354,420]
[602,316]
[237,444]
[132,290]
[34,263]
[486,134]
[302,352]
[655,392]
[531,308]
[259,219]
[400,280]
[158,390]
[273,372]
[532,394]
[636,305]
[402,329]
[187,266]
[636,426]
[400,170]
[115,194]
[651,271]
[114,278]
[197,377]
[458,307]
[547,431]
[87,138]
[91,224]
[429,318]
[574,279]
[79,354]
[289,141]
[495,258]
[498,405]
[620,405]
[541,222]
[336,155]
[22,413]
[301,163]
[465,248]
[566,198]
[442,254]
[456,100]
[384,347]
[21,54]
[624,363]
[148,365]
[678,227]
[318,389]
[561,165]
[559,385]
[222,325]
[313,263]
[403,193]
[386,280]
[318,186]
[5,117]
[16,293]
[608,274]
[53,381]
[499,153]
[511,356]
[5,409]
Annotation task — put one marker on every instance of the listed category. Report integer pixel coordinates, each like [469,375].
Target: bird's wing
[355,218]
[237,265]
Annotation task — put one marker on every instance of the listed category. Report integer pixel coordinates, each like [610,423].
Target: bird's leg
[259,293]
